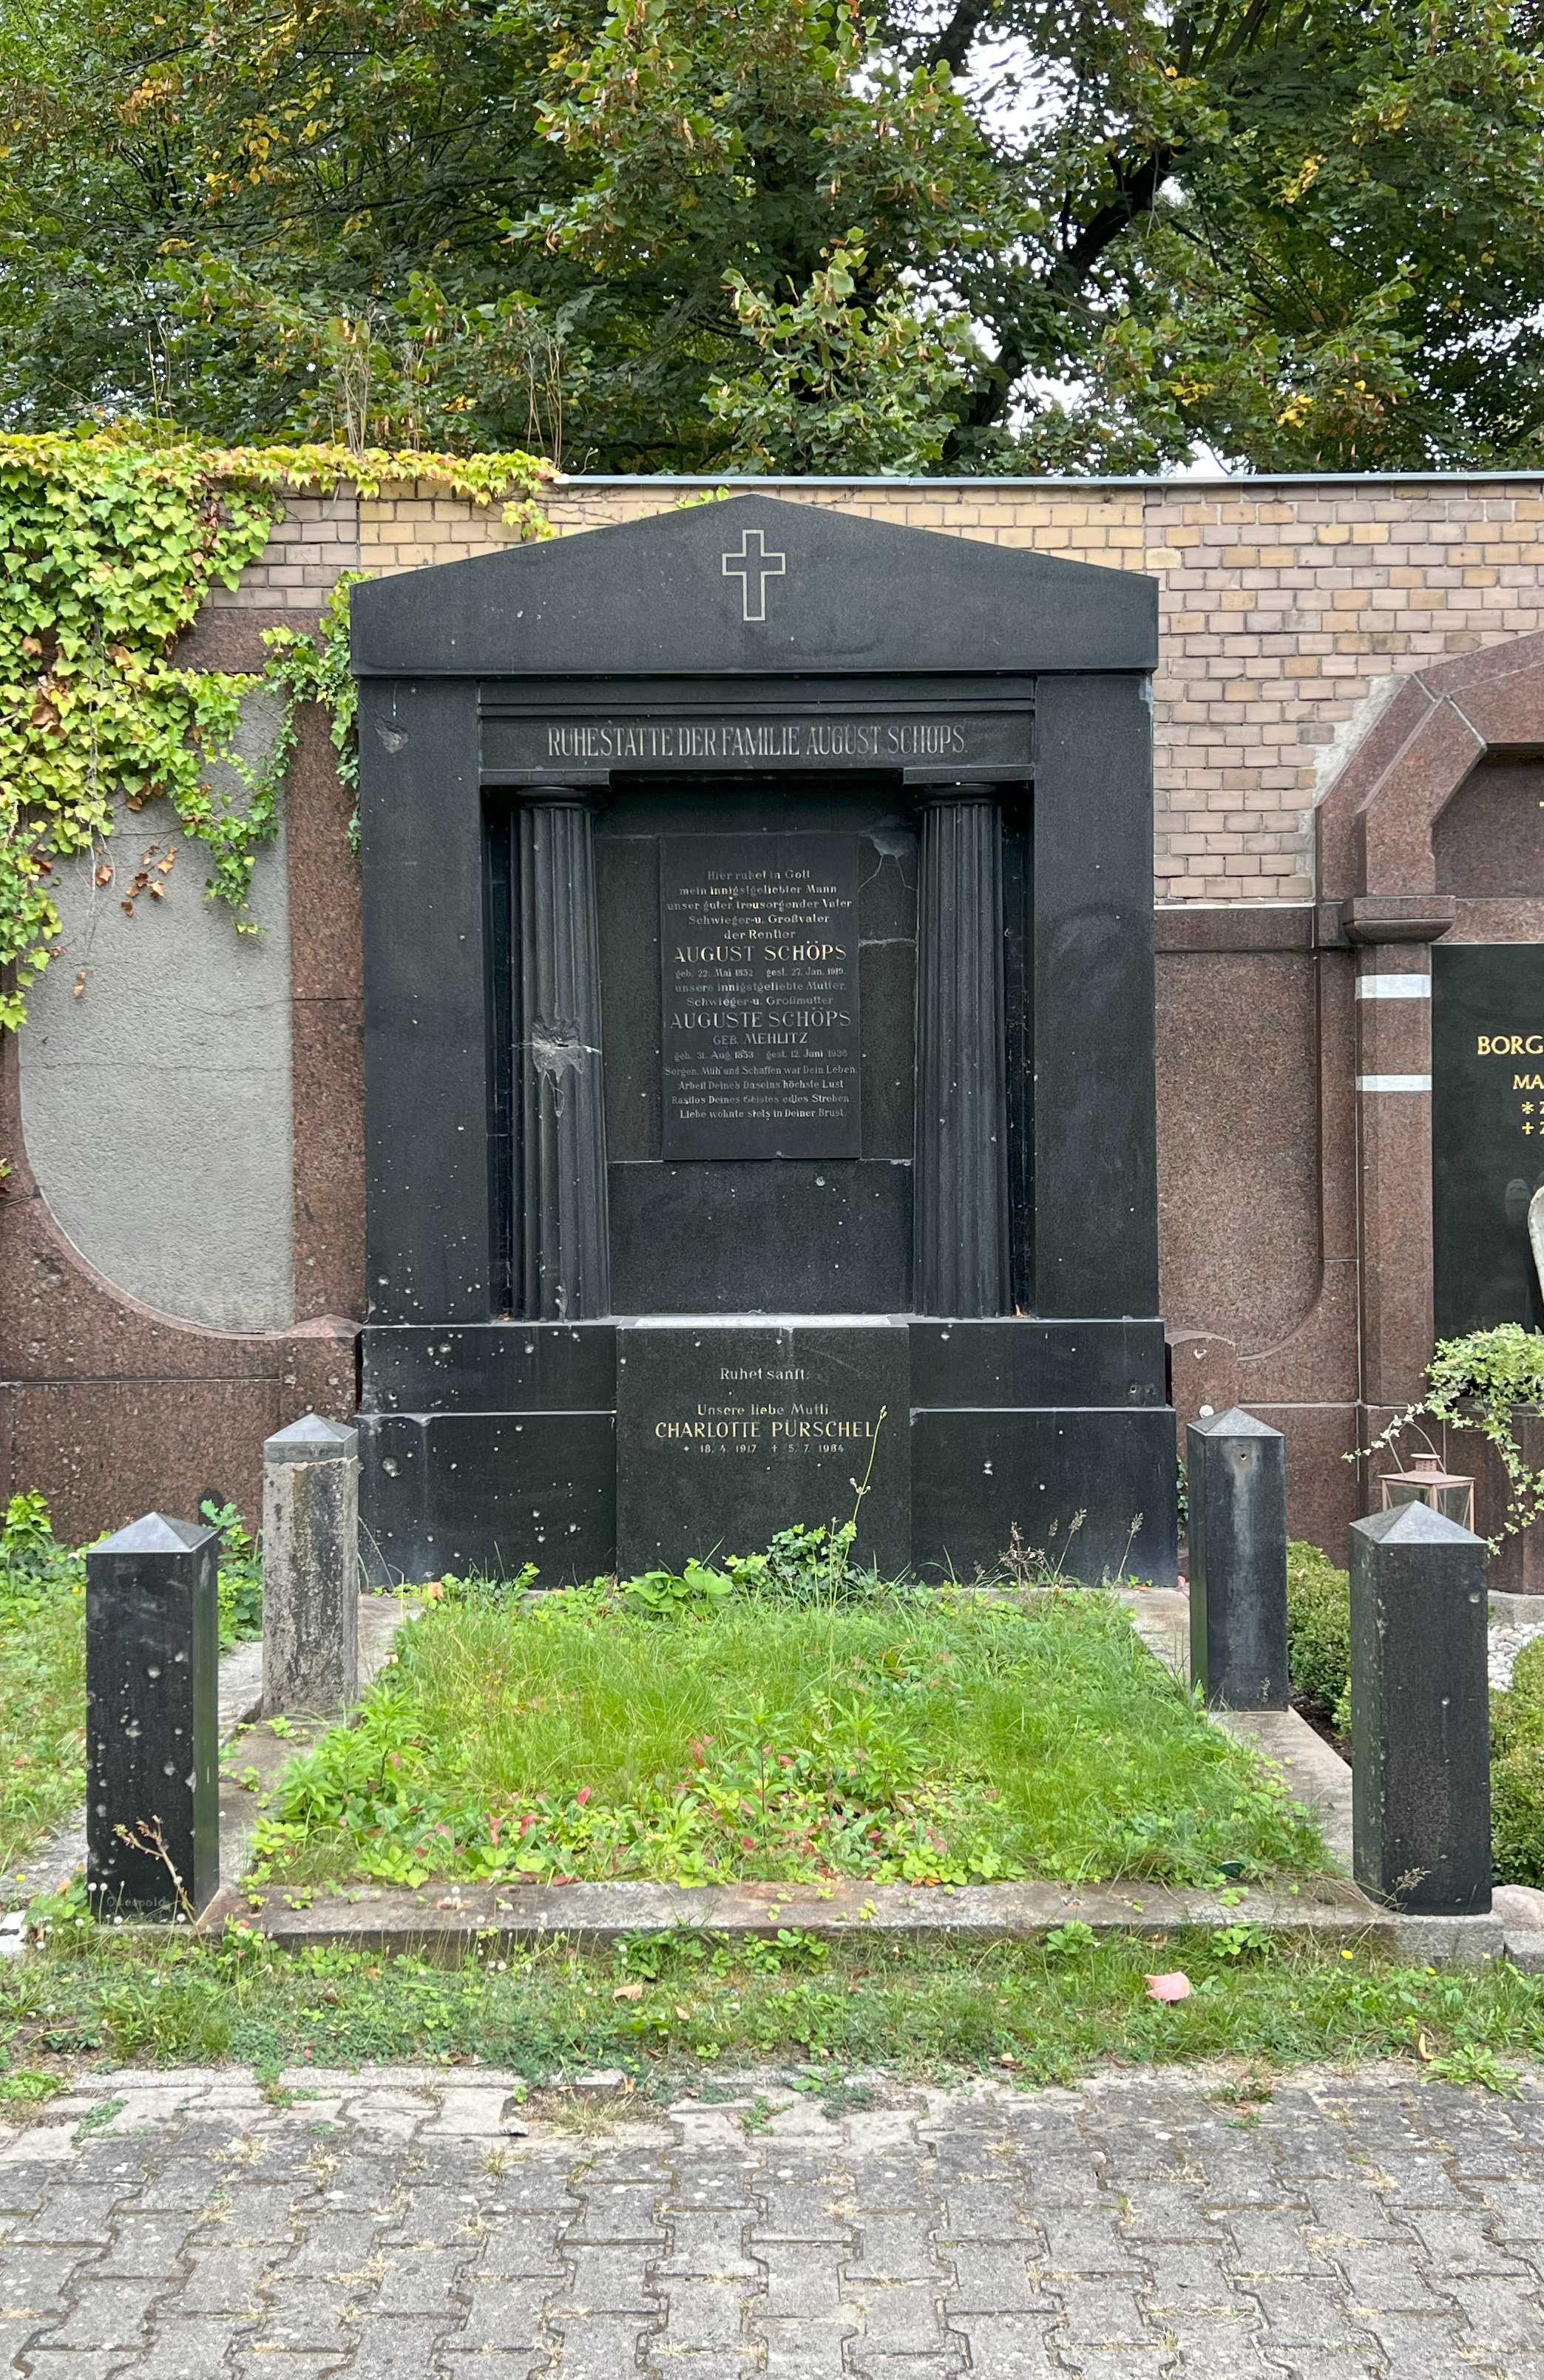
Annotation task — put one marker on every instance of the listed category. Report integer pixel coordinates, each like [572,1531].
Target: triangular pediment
[750,586]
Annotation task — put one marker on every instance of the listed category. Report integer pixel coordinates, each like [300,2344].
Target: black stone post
[562,1233]
[960,1177]
[1236,1471]
[1420,1713]
[152,1792]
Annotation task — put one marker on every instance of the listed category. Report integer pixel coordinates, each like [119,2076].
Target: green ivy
[1482,1382]
[113,540]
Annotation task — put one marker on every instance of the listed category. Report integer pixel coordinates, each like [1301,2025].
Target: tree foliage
[1024,235]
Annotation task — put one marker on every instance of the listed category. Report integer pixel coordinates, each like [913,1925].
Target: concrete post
[152,1653]
[310,1568]
[1420,1713]
[1236,1469]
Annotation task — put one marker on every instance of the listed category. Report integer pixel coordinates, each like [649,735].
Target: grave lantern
[1424,1481]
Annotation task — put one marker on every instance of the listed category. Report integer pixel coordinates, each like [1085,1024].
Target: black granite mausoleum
[760,1050]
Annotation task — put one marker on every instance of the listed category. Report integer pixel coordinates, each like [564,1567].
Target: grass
[690,2004]
[43,1664]
[933,1736]
[42,1712]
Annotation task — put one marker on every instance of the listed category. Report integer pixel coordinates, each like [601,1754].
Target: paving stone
[308,2318]
[1265,2239]
[713,2363]
[803,2280]
[999,2278]
[599,2347]
[434,2216]
[703,2315]
[1162,2210]
[143,2246]
[805,2210]
[1006,2345]
[1318,2317]
[974,2210]
[618,2210]
[1498,2312]
[889,2187]
[72,2363]
[422,2281]
[707,2246]
[247,2213]
[518,2248]
[1462,2242]
[504,2316]
[1100,2312]
[865,2364]
[893,2248]
[266,2365]
[191,2350]
[1126,2363]
[1396,2280]
[334,2241]
[106,2314]
[1352,2211]
[74,2212]
[398,2346]
[1430,2347]
[222,2278]
[901,2316]
[805,2351]
[607,2280]
[1086,2240]
[33,2280]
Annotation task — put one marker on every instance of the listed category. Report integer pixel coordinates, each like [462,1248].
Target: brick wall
[1287,609]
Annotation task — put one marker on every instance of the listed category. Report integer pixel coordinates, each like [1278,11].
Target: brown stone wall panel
[1490,840]
[1395,1158]
[1393,830]
[320,1370]
[326,937]
[60,1320]
[1493,660]
[1371,757]
[234,639]
[1322,1494]
[1185,927]
[1509,712]
[103,1451]
[1203,1371]
[328,1076]
[1497,921]
[1239,1143]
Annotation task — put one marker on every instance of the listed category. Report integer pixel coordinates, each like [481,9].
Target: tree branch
[1136,186]
[951,45]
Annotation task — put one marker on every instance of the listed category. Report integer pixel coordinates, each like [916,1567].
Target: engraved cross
[753,572]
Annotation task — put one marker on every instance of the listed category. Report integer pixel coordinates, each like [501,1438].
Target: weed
[1472,2062]
[97,2119]
[26,2086]
[1238,1940]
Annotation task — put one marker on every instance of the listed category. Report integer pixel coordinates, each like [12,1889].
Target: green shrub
[1517,1771]
[1319,1635]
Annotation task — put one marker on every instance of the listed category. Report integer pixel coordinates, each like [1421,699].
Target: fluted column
[960,1176]
[563,1257]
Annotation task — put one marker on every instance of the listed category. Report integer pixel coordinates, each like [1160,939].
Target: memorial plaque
[729,1431]
[760,1030]
[1486,1132]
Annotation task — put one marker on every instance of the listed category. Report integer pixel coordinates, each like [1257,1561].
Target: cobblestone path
[392,2226]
